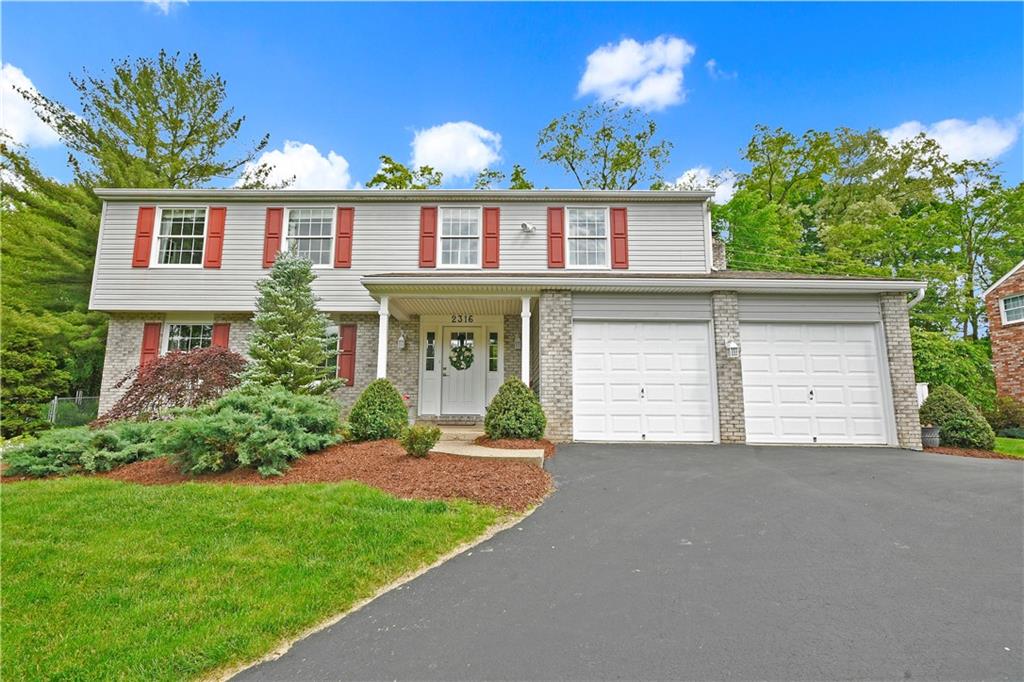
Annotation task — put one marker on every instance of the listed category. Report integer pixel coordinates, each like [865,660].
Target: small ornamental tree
[177,379]
[287,345]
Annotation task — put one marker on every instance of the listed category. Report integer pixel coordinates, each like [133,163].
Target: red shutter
[347,354]
[428,236]
[143,236]
[215,236]
[272,235]
[221,334]
[556,237]
[620,239]
[343,237]
[492,236]
[150,343]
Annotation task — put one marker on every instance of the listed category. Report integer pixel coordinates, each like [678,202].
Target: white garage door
[813,383]
[641,381]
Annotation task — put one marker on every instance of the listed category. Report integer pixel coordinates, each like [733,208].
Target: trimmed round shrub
[379,412]
[960,423]
[515,412]
[1008,413]
[418,441]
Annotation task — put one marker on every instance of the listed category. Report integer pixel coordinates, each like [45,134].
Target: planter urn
[930,436]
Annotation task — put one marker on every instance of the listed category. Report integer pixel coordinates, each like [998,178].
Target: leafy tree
[518,180]
[395,175]
[487,178]
[606,146]
[29,378]
[959,363]
[154,123]
[287,345]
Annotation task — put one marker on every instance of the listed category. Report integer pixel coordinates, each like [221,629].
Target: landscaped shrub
[418,441]
[68,451]
[960,423]
[1012,432]
[1008,413]
[379,412]
[515,413]
[177,379]
[258,427]
[960,363]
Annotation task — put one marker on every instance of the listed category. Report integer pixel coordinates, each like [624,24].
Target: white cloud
[458,149]
[164,5]
[310,168]
[986,138]
[700,177]
[716,72]
[646,75]
[17,117]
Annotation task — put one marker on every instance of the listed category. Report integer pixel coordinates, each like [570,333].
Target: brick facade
[725,316]
[896,324]
[512,333]
[555,377]
[1007,339]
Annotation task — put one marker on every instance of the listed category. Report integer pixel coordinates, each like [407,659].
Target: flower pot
[930,436]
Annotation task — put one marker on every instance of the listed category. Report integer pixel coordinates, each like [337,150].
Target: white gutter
[917,298]
[419,196]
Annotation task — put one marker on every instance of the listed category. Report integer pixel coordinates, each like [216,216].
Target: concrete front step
[469,449]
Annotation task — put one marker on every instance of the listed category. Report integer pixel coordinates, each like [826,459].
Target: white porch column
[524,369]
[382,339]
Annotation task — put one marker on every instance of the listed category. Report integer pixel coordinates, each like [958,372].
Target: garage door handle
[810,394]
[641,391]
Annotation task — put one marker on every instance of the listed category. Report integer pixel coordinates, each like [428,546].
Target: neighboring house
[608,304]
[1004,303]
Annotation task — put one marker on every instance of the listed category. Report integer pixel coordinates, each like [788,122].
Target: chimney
[718,260]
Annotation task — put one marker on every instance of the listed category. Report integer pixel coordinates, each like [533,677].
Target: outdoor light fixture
[527,227]
[401,339]
[732,348]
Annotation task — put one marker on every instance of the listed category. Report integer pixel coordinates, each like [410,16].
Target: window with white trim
[1013,309]
[186,337]
[587,237]
[180,236]
[309,233]
[460,237]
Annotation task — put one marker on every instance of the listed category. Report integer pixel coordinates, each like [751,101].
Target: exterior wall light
[401,340]
[732,348]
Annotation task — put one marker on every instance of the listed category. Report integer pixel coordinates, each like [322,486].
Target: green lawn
[1010,446]
[111,580]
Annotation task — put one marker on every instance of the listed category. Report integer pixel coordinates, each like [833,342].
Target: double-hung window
[187,337]
[309,233]
[460,237]
[587,237]
[180,236]
[1013,309]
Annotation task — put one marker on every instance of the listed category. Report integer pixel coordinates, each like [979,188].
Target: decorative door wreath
[461,357]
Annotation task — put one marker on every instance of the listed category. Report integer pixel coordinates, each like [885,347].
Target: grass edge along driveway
[103,579]
[1010,446]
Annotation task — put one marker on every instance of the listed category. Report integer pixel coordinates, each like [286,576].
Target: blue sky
[473,82]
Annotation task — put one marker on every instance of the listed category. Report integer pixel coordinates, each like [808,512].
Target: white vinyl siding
[663,237]
[460,237]
[648,307]
[810,308]
[180,236]
[1013,309]
[309,233]
[586,236]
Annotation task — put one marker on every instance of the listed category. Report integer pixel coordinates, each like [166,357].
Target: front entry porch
[466,347]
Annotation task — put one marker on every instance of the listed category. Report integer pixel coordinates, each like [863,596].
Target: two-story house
[609,304]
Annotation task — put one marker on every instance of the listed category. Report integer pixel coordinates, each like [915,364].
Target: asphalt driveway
[683,562]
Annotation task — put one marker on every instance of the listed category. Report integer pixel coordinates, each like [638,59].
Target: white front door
[813,383]
[463,368]
[642,381]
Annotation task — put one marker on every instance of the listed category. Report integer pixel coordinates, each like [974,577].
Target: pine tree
[287,345]
[28,380]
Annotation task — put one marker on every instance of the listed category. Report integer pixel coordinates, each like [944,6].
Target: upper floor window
[309,233]
[1013,309]
[587,237]
[186,337]
[460,237]
[180,237]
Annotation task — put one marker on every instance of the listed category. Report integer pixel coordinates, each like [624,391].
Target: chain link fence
[74,411]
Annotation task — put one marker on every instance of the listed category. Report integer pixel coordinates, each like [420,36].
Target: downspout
[917,298]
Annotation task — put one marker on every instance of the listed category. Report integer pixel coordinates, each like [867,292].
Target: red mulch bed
[967,452]
[381,464]
[519,444]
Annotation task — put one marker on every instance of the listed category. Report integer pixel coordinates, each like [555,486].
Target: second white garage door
[642,381]
[813,383]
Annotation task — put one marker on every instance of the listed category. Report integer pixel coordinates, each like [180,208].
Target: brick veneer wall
[896,324]
[1007,340]
[555,380]
[512,331]
[725,316]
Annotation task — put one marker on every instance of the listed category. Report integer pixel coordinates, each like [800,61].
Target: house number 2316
[462,319]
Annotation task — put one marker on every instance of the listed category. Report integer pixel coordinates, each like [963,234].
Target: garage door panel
[782,362]
[669,360]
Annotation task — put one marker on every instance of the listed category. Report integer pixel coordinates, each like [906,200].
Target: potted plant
[930,435]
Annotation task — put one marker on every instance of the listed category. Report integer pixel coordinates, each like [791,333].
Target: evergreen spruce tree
[28,380]
[287,345]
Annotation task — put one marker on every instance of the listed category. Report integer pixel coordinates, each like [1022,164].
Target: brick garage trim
[725,315]
[896,325]
[555,363]
[1007,339]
